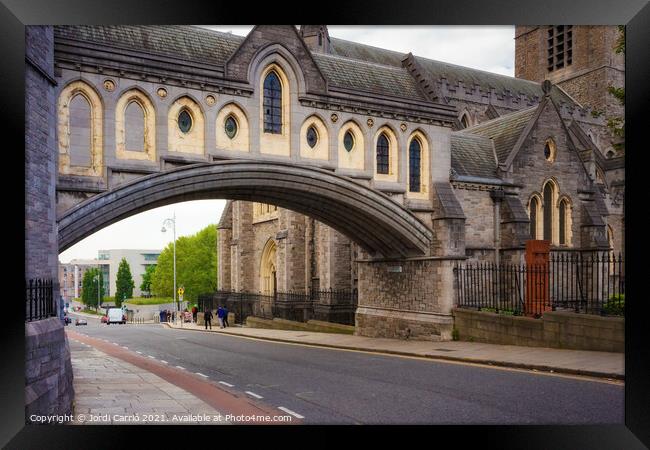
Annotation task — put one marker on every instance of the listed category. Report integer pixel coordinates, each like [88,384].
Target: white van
[115,315]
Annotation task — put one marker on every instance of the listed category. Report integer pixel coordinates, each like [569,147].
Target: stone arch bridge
[372,219]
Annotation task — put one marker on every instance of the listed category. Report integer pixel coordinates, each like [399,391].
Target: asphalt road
[344,387]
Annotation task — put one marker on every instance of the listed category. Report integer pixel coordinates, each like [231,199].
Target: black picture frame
[635,14]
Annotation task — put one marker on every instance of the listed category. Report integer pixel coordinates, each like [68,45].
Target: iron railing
[591,283]
[336,306]
[39,300]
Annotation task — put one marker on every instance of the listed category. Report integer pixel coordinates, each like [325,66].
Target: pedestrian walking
[225,317]
[195,311]
[207,316]
[220,316]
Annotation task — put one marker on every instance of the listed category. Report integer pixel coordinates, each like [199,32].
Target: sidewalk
[111,391]
[576,362]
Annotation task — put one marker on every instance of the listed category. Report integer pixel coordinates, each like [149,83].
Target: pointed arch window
[549,192]
[415,157]
[534,205]
[272,103]
[382,154]
[464,121]
[80,131]
[563,222]
[134,121]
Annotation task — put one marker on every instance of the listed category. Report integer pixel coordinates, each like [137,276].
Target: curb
[486,362]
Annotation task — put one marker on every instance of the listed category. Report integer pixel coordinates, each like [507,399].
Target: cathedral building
[485,161]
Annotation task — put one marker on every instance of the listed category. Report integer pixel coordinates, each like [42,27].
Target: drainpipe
[497,197]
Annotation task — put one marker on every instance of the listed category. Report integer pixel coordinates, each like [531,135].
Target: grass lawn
[92,311]
[149,301]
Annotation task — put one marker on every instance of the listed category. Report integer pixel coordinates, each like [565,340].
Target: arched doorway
[268,280]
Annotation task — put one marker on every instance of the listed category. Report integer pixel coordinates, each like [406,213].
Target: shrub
[615,305]
[454,334]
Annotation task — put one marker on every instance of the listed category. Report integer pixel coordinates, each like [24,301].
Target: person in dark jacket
[225,317]
[207,316]
[220,316]
[195,310]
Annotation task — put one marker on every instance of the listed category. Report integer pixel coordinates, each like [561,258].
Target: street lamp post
[173,223]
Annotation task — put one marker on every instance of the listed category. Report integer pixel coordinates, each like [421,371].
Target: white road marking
[152,357]
[163,361]
[226,384]
[137,351]
[181,367]
[253,394]
[199,373]
[295,414]
[124,346]
[115,343]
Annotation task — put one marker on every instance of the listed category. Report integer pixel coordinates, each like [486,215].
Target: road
[328,386]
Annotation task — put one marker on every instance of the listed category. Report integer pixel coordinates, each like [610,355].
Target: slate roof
[472,155]
[504,131]
[451,72]
[179,41]
[369,77]
[382,73]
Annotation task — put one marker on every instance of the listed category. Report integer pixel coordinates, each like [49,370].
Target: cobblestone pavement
[111,391]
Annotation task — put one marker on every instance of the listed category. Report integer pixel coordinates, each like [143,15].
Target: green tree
[89,296]
[124,283]
[145,286]
[196,266]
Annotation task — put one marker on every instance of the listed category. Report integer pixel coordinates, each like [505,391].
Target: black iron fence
[336,306]
[39,300]
[591,283]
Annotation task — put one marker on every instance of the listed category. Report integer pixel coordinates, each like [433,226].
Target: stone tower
[580,59]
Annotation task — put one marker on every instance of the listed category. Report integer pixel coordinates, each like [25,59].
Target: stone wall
[48,374]
[554,329]
[411,298]
[48,369]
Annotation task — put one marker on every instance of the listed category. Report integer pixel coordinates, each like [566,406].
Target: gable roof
[472,155]
[503,131]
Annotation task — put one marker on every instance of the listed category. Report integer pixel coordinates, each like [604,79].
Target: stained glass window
[272,104]
[312,137]
[231,127]
[414,165]
[548,211]
[348,141]
[533,218]
[382,154]
[562,223]
[185,121]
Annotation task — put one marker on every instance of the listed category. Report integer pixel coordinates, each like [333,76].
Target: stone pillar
[242,246]
[413,298]
[223,258]
[48,377]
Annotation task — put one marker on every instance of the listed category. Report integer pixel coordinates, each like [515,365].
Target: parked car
[115,315]
[104,319]
[80,322]
[67,319]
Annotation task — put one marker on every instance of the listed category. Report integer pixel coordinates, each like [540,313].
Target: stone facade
[482,137]
[48,376]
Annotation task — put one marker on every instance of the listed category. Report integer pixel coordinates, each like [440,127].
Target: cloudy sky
[481,47]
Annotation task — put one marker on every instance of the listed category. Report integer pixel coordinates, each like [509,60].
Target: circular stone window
[312,137]
[549,150]
[185,121]
[231,127]
[348,141]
